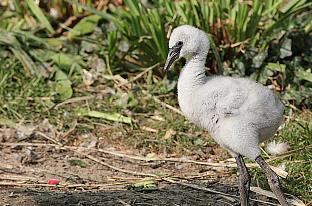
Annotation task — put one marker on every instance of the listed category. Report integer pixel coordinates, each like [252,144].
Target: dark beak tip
[167,64]
[173,55]
[165,68]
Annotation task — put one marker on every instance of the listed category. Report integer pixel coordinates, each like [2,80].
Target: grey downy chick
[237,112]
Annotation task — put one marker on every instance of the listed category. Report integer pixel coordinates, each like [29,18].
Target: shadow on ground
[167,195]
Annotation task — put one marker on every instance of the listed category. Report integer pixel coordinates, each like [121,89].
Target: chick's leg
[273,180]
[244,180]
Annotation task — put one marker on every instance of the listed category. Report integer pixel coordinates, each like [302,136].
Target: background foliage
[269,41]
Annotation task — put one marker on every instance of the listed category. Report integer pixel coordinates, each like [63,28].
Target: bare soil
[26,167]
[97,185]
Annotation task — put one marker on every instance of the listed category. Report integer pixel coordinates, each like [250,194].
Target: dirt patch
[90,176]
[25,183]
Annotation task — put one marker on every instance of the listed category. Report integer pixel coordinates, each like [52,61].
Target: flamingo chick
[237,112]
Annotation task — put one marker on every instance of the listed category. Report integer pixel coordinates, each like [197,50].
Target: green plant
[264,40]
[144,31]
[268,41]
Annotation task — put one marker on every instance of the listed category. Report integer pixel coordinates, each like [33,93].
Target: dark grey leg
[273,181]
[244,180]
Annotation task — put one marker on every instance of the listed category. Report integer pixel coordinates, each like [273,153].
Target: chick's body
[237,112]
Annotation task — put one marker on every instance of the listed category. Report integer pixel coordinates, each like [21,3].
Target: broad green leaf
[85,26]
[144,185]
[276,67]
[116,117]
[65,61]
[304,75]
[63,85]
[55,42]
[39,15]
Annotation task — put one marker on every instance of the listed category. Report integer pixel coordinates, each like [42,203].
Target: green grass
[20,96]
[298,134]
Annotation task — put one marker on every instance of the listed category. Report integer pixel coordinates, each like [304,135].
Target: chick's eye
[179,43]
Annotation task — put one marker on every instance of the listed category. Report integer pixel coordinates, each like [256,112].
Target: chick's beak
[173,54]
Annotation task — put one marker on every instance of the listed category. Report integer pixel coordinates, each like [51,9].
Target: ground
[161,159]
[25,171]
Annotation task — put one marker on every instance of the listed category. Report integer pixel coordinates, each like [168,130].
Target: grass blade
[39,15]
[115,117]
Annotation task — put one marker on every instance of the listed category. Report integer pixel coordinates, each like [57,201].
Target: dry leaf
[88,77]
[169,134]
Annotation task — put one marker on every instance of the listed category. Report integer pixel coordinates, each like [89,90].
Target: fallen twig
[106,186]
[113,77]
[47,137]
[138,76]
[280,172]
[163,103]
[76,150]
[74,100]
[113,167]
[229,197]
[17,178]
[167,105]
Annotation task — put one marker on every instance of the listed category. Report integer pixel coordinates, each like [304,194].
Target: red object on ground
[53,182]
